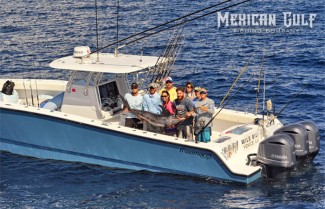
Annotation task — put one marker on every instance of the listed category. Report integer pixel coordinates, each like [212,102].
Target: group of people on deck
[190,105]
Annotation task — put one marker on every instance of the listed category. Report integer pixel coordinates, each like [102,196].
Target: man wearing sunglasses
[203,111]
[134,100]
[170,88]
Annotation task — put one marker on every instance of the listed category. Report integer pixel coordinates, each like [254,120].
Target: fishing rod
[31,91]
[201,130]
[234,83]
[258,85]
[37,93]
[163,64]
[174,59]
[179,44]
[158,63]
[291,100]
[172,26]
[172,56]
[25,92]
[275,85]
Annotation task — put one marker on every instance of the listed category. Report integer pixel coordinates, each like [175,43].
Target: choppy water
[33,33]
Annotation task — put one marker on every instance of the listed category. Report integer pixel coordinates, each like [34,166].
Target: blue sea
[35,32]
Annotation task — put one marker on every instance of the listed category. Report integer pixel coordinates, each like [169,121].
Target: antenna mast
[117,10]
[97,31]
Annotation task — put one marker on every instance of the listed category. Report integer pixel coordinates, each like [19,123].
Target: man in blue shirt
[151,103]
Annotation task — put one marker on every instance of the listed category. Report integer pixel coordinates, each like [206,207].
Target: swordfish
[161,120]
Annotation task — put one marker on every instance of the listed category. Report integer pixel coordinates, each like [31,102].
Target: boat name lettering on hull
[229,150]
[193,152]
[249,141]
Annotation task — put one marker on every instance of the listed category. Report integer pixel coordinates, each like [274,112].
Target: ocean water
[33,33]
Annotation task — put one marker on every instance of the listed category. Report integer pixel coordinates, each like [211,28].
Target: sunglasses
[203,92]
[152,87]
[190,87]
[169,82]
[133,87]
[164,96]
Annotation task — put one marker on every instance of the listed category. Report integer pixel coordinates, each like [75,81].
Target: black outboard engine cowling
[314,140]
[299,135]
[276,155]
[8,87]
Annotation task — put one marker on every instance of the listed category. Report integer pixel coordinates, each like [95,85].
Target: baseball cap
[134,86]
[169,79]
[203,90]
[152,85]
[197,88]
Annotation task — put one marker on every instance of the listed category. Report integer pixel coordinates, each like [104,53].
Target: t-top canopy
[108,63]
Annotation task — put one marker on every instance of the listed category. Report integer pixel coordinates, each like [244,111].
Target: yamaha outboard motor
[8,87]
[299,135]
[276,155]
[314,140]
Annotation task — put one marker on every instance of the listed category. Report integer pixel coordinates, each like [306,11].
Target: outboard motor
[8,87]
[314,140]
[276,155]
[299,135]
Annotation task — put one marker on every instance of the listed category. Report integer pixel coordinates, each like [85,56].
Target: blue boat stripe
[9,141]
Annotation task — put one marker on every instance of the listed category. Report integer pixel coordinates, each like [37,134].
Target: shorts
[184,131]
[205,136]
[133,123]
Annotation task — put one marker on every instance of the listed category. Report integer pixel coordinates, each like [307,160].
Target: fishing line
[292,99]
[226,104]
[172,26]
[234,83]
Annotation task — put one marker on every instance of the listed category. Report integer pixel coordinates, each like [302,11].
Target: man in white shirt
[135,101]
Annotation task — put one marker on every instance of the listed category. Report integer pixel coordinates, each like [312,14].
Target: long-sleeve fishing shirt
[151,103]
[202,115]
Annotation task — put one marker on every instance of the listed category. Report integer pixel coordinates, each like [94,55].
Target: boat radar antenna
[97,31]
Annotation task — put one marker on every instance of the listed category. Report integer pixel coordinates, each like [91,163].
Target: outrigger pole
[172,26]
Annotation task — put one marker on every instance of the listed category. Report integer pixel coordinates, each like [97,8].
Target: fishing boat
[82,120]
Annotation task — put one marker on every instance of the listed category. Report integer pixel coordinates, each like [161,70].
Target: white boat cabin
[89,93]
